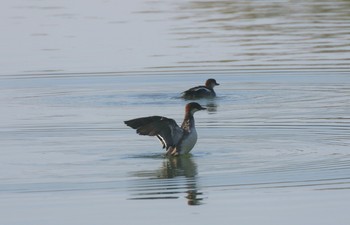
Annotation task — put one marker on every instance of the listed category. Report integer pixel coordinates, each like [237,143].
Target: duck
[203,91]
[175,140]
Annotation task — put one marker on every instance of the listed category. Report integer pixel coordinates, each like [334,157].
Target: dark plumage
[206,91]
[176,140]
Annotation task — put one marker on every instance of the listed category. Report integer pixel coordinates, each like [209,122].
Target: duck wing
[196,91]
[165,129]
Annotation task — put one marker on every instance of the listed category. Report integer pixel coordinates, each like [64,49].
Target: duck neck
[188,122]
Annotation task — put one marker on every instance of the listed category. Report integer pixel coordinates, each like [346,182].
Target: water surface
[273,147]
[142,35]
[273,143]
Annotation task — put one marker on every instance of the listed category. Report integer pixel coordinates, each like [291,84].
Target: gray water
[147,35]
[273,147]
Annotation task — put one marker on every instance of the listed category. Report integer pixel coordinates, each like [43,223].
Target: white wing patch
[162,141]
[201,89]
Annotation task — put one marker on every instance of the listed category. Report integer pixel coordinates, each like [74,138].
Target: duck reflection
[177,175]
[211,107]
[177,166]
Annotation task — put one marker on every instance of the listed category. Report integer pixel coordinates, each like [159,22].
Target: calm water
[146,35]
[274,145]
[273,148]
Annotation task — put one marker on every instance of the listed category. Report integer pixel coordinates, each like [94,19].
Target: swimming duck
[206,91]
[176,140]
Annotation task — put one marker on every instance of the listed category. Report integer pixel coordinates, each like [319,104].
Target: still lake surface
[273,147]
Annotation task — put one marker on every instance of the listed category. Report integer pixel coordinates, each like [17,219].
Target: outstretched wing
[165,129]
